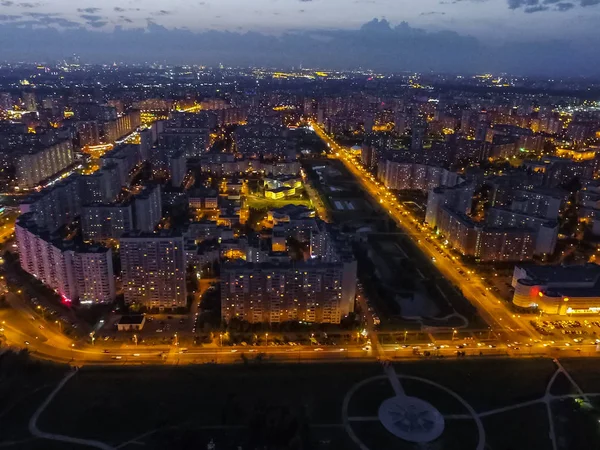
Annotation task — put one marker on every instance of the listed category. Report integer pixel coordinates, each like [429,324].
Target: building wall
[266,293]
[154,271]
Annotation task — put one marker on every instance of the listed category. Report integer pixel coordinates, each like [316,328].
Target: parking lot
[582,331]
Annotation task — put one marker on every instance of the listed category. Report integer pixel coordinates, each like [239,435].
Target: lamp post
[266,339]
[72,352]
[405,333]
[454,333]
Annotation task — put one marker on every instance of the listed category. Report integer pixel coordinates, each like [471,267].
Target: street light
[266,339]
[221,338]
[453,333]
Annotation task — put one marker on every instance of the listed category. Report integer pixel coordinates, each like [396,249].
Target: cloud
[29,5]
[562,6]
[125,19]
[89,10]
[532,6]
[47,19]
[377,45]
[97,24]
[9,17]
[119,9]
[163,12]
[6,3]
[537,8]
[91,17]
[432,13]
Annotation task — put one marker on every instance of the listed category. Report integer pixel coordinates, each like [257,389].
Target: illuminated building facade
[40,163]
[562,290]
[74,272]
[154,271]
[310,292]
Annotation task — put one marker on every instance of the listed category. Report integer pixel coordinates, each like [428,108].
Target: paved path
[35,431]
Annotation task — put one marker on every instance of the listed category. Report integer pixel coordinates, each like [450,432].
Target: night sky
[539,26]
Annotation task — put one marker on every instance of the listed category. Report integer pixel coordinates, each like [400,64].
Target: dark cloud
[163,12]
[537,8]
[97,24]
[119,9]
[29,5]
[563,6]
[8,18]
[377,45]
[532,6]
[125,19]
[89,10]
[91,17]
[432,13]
[39,15]
[6,3]
[48,19]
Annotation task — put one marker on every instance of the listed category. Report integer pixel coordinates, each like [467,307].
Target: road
[491,308]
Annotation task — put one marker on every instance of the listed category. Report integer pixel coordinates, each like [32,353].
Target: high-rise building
[73,271]
[177,168]
[39,163]
[101,222]
[55,206]
[485,243]
[419,130]
[29,101]
[94,274]
[265,292]
[103,186]
[148,208]
[153,267]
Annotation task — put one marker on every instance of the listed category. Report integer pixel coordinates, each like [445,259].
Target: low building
[131,323]
[562,290]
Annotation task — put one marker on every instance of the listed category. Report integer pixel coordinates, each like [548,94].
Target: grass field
[300,406]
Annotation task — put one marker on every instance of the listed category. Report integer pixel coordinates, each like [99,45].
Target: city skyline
[513,36]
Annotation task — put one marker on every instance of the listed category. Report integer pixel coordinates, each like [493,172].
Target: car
[26,342]
[41,327]
[105,351]
[318,349]
[117,357]
[136,354]
[159,330]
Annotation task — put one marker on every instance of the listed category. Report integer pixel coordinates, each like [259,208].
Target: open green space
[299,406]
